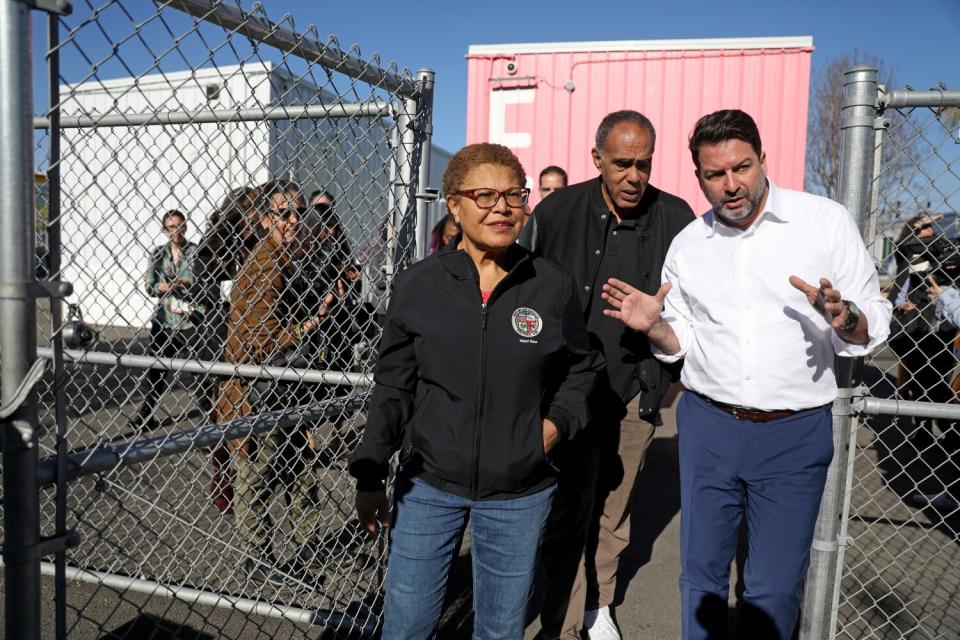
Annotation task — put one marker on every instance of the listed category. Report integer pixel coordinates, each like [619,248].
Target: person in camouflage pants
[261,330]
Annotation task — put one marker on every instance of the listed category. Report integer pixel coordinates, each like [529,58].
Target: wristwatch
[853,317]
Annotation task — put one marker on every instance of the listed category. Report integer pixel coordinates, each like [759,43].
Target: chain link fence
[886,558]
[901,573]
[207,376]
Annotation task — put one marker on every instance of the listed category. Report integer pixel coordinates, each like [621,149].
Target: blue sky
[918,40]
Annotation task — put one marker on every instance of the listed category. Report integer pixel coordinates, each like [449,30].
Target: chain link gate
[197,106]
[886,557]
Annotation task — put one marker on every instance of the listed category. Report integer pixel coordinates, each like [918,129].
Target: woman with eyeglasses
[484,366]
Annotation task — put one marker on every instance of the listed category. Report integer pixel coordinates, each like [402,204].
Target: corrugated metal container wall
[546,100]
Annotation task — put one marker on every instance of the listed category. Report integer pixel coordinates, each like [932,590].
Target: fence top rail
[204,116]
[931,98]
[289,41]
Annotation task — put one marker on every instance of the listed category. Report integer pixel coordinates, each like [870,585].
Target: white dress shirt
[749,338]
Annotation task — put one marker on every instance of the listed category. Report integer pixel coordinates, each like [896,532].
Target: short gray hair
[613,119]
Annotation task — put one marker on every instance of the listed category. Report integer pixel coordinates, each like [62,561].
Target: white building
[118,180]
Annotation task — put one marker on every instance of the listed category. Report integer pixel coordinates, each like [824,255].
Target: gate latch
[429,194]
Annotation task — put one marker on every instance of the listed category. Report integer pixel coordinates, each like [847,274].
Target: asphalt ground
[901,576]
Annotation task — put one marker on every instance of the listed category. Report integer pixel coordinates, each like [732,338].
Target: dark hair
[474,155]
[272,188]
[172,213]
[613,119]
[230,235]
[323,192]
[557,170]
[723,125]
[436,235]
[910,228]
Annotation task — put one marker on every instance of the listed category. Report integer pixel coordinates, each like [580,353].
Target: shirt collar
[186,249]
[772,209]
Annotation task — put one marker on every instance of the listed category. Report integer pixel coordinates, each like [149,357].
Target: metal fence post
[425,78]
[412,156]
[400,195]
[18,339]
[819,612]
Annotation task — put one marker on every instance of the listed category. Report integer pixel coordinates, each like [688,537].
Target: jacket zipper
[484,309]
[479,419]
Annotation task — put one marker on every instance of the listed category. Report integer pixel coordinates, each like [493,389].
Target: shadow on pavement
[656,502]
[147,626]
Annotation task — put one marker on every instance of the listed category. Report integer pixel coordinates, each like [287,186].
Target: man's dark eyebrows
[629,161]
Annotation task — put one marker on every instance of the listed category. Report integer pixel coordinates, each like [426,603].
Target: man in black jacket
[616,225]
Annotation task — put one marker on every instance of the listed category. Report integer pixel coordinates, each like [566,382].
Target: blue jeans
[427,527]
[774,474]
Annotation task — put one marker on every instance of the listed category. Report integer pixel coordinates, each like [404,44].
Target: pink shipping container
[545,101]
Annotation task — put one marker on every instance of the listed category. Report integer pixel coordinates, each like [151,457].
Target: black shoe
[139,423]
[303,568]
[940,501]
[262,570]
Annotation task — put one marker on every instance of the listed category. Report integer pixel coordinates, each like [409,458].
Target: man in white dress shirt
[758,295]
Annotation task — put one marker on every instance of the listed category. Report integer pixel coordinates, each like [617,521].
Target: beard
[747,209]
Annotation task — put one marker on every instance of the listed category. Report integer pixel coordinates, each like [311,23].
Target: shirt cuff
[563,420]
[370,475]
[666,358]
[682,339]
[878,314]
[947,302]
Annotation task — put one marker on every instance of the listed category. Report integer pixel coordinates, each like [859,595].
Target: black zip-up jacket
[571,232]
[464,387]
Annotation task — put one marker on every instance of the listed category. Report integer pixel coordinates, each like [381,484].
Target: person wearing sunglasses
[324,267]
[484,366]
[261,330]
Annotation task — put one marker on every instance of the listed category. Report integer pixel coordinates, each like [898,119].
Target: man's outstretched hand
[633,307]
[825,299]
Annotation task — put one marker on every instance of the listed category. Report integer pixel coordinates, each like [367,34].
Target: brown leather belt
[746,413]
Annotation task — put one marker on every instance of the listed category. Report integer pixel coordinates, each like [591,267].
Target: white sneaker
[600,626]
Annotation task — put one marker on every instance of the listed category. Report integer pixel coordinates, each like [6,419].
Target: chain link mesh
[901,574]
[167,106]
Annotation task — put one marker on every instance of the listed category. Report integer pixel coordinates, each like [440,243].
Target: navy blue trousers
[774,474]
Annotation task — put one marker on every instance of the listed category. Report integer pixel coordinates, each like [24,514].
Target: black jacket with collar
[571,232]
[464,387]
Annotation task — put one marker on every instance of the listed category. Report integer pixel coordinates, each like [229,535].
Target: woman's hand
[551,436]
[316,320]
[371,507]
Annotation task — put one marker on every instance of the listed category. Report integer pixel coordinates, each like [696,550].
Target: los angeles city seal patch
[527,322]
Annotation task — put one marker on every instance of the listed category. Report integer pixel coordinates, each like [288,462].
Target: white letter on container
[499,100]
